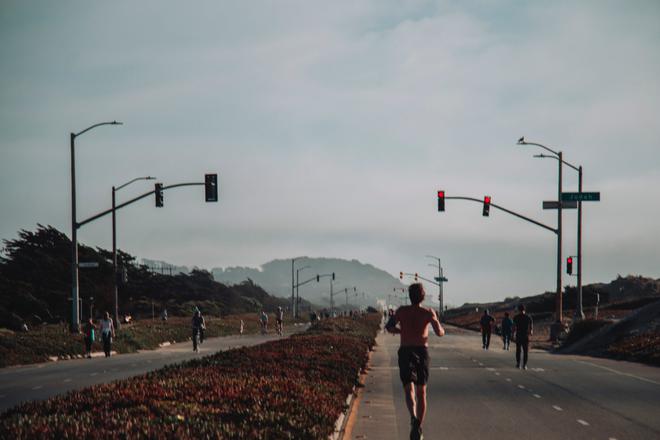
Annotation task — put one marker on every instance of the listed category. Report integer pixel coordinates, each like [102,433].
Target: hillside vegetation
[35,285]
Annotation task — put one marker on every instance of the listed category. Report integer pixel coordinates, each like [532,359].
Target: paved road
[476,394]
[41,381]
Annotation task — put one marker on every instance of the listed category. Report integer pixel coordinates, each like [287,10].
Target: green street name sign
[580,197]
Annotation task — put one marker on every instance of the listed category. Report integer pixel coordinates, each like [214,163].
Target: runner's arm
[435,323]
[391,325]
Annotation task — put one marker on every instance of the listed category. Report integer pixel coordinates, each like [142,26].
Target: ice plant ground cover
[292,388]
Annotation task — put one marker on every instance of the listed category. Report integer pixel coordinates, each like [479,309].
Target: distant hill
[370,282]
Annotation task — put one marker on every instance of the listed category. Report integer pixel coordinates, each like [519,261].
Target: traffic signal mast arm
[305,282]
[421,278]
[508,211]
[118,207]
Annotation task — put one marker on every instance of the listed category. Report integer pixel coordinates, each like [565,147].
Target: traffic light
[333,276]
[159,195]
[441,201]
[569,265]
[401,275]
[486,210]
[318,278]
[211,187]
[415,276]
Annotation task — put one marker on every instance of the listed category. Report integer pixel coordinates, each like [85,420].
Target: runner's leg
[409,390]
[421,402]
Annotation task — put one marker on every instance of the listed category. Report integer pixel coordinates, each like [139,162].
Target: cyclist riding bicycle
[198,327]
[279,318]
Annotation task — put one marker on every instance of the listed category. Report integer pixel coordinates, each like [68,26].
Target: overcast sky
[333,124]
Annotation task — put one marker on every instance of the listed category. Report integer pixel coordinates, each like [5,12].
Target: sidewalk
[374,414]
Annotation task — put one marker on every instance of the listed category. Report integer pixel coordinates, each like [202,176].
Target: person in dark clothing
[523,327]
[89,337]
[507,328]
[198,326]
[486,328]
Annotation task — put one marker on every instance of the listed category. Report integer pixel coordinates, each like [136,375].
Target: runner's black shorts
[414,365]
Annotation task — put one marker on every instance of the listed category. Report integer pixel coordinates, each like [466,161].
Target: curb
[340,423]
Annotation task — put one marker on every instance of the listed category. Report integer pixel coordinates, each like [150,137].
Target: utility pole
[558,312]
[580,309]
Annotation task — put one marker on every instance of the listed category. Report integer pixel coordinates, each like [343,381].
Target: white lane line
[490,369]
[612,438]
[583,422]
[537,396]
[558,408]
[522,387]
[480,364]
[93,374]
[444,368]
[497,374]
[508,379]
[38,387]
[538,370]
[611,370]
[67,380]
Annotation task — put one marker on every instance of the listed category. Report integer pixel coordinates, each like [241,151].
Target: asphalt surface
[41,381]
[477,394]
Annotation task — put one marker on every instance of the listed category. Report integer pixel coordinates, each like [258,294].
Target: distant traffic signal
[158,192]
[401,275]
[441,200]
[318,278]
[486,210]
[333,276]
[415,276]
[569,265]
[211,187]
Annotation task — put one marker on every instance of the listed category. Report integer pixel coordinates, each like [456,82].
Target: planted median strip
[289,388]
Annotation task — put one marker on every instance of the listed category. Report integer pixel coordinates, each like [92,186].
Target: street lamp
[297,303]
[114,244]
[558,155]
[579,312]
[75,318]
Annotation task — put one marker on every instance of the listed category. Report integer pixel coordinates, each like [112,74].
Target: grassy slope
[43,342]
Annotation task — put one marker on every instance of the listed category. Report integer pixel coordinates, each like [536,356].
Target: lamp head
[116,123]
[521,141]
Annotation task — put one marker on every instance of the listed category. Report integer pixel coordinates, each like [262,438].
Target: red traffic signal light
[486,210]
[415,276]
[441,201]
[158,193]
[400,275]
[569,265]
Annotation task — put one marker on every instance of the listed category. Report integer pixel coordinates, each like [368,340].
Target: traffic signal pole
[580,310]
[559,304]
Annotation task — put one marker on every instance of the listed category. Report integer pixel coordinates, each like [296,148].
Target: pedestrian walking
[198,326]
[523,327]
[486,328]
[507,328]
[88,337]
[263,320]
[107,333]
[412,323]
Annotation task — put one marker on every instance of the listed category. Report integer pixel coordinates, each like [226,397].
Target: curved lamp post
[75,317]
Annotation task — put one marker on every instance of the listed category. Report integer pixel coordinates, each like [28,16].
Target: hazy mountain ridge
[275,278]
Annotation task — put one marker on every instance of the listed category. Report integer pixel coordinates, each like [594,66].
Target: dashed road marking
[537,396]
[583,422]
[38,387]
[490,369]
[480,364]
[444,368]
[508,379]
[522,387]
[67,380]
[558,408]
[93,374]
[497,374]
[538,370]
[612,438]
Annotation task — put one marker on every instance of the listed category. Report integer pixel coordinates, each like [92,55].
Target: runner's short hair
[416,293]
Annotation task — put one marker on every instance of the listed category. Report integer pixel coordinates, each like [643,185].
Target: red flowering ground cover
[291,388]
